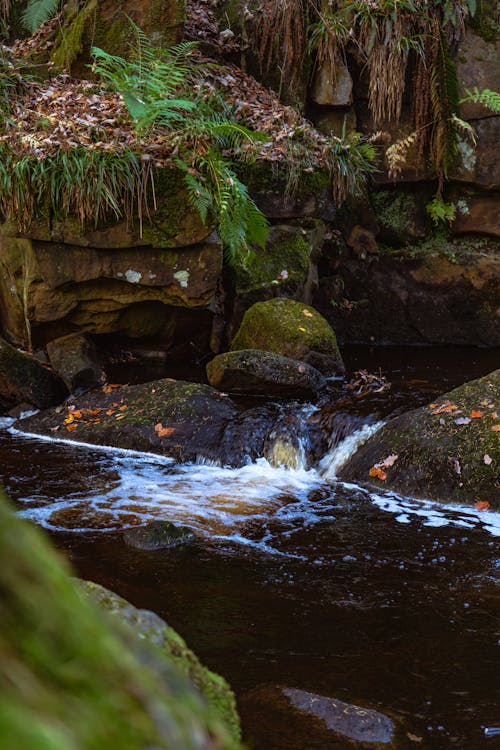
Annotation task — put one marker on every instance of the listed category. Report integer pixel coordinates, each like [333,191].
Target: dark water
[296,580]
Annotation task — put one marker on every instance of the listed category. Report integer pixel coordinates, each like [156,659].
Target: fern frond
[39,11]
[490,99]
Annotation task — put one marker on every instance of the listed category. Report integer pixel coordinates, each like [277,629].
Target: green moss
[172,647]
[397,213]
[70,40]
[290,252]
[292,329]
[454,248]
[69,678]
[263,176]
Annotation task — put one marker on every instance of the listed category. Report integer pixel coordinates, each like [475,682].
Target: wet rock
[25,379]
[158,535]
[478,65]
[76,360]
[153,631]
[362,241]
[293,330]
[400,216]
[336,122]
[255,372]
[171,418]
[296,719]
[477,213]
[245,435]
[448,452]
[120,690]
[479,164]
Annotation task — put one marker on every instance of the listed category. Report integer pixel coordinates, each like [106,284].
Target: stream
[296,579]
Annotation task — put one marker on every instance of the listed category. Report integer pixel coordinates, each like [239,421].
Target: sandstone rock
[189,419]
[297,719]
[89,680]
[254,372]
[477,213]
[430,298]
[76,360]
[292,329]
[25,379]
[362,241]
[479,164]
[335,121]
[332,87]
[158,535]
[440,449]
[400,216]
[478,65]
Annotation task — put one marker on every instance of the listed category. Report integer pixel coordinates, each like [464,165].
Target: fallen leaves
[482,505]
[487,459]
[463,420]
[378,469]
[162,431]
[496,428]
[307,314]
[446,408]
[110,387]
[476,414]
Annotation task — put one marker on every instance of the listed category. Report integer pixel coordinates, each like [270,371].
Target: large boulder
[23,379]
[173,649]
[292,329]
[168,417]
[72,678]
[255,372]
[76,361]
[447,451]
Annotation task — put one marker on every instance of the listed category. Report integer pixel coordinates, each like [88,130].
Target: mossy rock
[192,416]
[25,379]
[71,679]
[158,535]
[254,372]
[400,216]
[292,329]
[444,453]
[172,648]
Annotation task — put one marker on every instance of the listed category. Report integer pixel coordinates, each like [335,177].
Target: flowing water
[297,579]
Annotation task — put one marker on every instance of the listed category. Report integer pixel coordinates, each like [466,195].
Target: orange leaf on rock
[120,416]
[93,412]
[496,428]
[482,505]
[77,414]
[166,431]
[71,427]
[110,412]
[476,414]
[69,419]
[376,471]
[445,408]
[122,408]
[307,314]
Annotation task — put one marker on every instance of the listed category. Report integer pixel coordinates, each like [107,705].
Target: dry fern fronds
[397,154]
[4,9]
[280,33]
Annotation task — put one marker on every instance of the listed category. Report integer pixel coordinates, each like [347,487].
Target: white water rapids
[127,488]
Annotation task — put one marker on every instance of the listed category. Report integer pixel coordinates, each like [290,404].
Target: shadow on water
[300,582]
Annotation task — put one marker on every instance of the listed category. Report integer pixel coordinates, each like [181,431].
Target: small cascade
[343,448]
[290,442]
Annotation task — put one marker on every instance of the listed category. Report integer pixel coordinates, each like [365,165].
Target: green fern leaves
[39,11]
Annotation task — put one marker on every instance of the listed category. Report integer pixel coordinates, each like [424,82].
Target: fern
[490,99]
[39,11]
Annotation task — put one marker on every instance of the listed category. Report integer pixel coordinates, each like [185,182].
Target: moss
[485,22]
[290,252]
[292,329]
[456,249]
[438,458]
[398,214]
[70,40]
[172,647]
[263,176]
[81,681]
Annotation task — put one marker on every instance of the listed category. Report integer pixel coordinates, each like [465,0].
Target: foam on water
[132,488]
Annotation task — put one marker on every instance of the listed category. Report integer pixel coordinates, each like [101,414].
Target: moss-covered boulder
[173,649]
[23,379]
[292,329]
[255,372]
[72,679]
[76,361]
[447,451]
[168,417]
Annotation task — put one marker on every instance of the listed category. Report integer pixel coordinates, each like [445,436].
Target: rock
[440,450]
[255,372]
[288,266]
[76,360]
[477,213]
[158,535]
[400,216]
[479,164]
[192,417]
[154,631]
[292,329]
[362,241]
[297,719]
[25,379]
[332,87]
[478,65]
[336,122]
[440,292]
[89,681]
